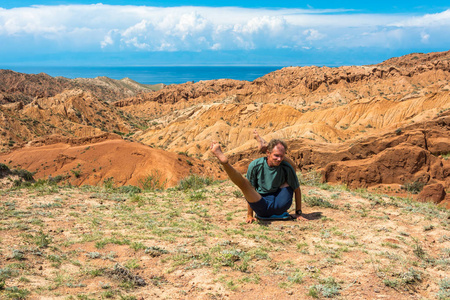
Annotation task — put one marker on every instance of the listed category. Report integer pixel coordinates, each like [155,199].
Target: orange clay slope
[81,162]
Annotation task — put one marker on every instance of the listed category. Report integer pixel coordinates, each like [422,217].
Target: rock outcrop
[434,193]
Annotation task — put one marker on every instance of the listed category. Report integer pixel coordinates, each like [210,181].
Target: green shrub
[16,293]
[194,182]
[153,181]
[4,167]
[317,201]
[312,178]
[297,277]
[130,189]
[108,184]
[137,246]
[444,289]
[328,288]
[42,240]
[24,174]
[196,196]
[411,276]
[7,273]
[414,187]
[56,179]
[76,173]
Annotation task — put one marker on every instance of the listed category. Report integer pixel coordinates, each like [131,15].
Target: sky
[196,32]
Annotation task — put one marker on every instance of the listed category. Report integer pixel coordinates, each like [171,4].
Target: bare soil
[100,243]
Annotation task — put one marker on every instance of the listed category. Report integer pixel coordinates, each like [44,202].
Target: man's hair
[275,142]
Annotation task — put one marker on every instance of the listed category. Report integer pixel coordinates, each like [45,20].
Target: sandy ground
[98,243]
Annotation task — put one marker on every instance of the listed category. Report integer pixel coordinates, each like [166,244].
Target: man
[271,182]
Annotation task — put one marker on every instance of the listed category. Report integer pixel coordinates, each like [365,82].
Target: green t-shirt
[267,179]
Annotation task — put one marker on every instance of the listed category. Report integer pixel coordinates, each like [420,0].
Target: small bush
[24,174]
[42,240]
[4,167]
[16,293]
[444,289]
[137,246]
[317,201]
[411,276]
[194,182]
[297,277]
[155,251]
[414,187]
[108,184]
[56,179]
[76,173]
[153,181]
[93,255]
[312,178]
[196,196]
[7,273]
[328,288]
[419,252]
[130,189]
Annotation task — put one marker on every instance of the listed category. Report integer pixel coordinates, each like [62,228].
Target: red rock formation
[400,164]
[434,193]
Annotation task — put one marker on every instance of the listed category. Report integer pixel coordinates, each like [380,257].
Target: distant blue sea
[154,75]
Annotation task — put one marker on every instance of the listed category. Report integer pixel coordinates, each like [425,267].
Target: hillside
[346,122]
[107,157]
[18,87]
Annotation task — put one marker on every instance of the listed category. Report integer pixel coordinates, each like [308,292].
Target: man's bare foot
[215,148]
[261,141]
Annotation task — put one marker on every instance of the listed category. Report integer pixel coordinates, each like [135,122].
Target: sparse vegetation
[199,225]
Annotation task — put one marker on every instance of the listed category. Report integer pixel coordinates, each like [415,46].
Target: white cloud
[428,20]
[313,35]
[425,37]
[140,28]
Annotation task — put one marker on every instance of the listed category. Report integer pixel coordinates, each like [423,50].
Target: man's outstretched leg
[242,183]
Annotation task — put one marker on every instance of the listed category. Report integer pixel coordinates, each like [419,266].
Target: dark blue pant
[274,203]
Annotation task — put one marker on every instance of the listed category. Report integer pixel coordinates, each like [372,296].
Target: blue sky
[278,33]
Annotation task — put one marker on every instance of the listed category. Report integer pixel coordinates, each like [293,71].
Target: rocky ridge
[18,87]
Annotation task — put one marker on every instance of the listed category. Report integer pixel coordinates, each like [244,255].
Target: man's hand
[299,217]
[250,219]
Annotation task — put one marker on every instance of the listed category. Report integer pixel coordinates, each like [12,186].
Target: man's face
[275,157]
